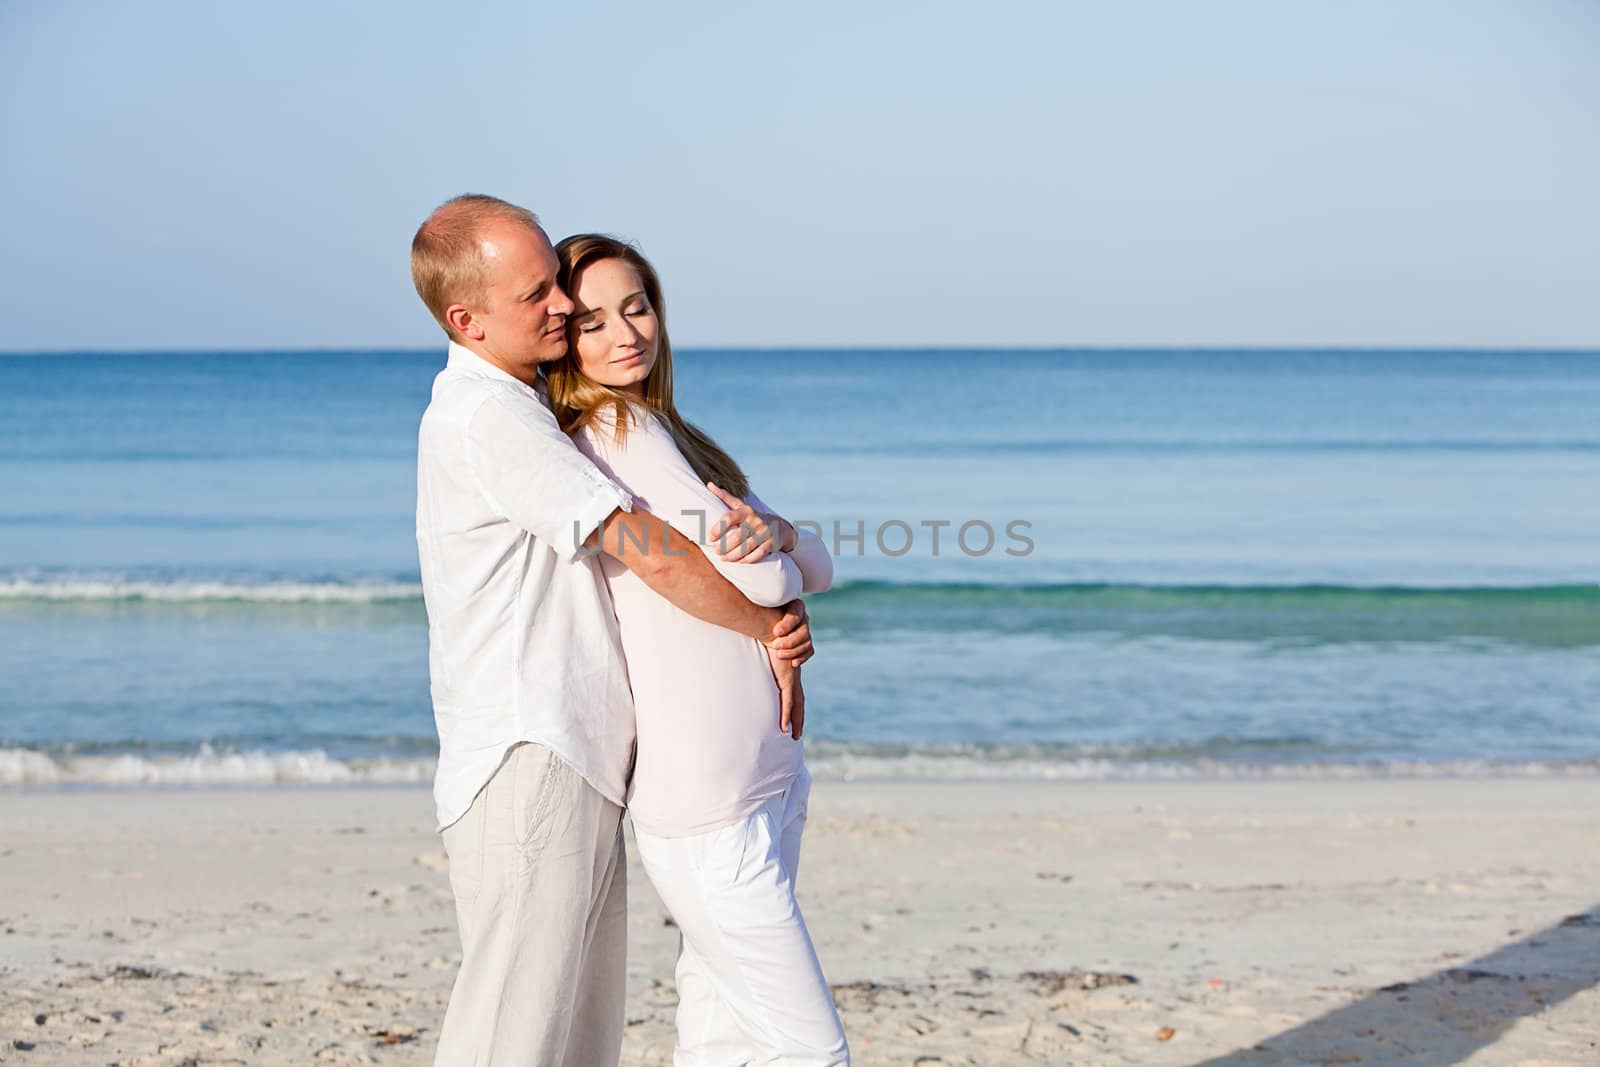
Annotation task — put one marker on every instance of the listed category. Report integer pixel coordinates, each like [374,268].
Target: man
[530,692]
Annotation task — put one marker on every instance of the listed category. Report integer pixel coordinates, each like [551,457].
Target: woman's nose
[628,333]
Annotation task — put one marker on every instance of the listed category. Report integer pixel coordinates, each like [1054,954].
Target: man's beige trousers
[540,882]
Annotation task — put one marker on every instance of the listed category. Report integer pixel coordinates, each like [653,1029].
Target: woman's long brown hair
[577,399]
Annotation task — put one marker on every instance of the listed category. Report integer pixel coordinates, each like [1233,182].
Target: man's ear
[463,322]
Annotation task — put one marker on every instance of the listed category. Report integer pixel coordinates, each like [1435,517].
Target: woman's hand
[791,696]
[787,648]
[744,535]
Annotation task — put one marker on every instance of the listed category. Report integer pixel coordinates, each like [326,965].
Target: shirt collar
[463,358]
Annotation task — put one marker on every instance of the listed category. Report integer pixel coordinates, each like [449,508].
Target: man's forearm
[675,567]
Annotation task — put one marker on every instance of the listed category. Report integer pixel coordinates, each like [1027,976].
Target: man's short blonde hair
[447,264]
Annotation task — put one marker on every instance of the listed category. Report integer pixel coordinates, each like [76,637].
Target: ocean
[1050,564]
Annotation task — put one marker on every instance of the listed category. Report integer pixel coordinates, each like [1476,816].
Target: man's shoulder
[459,396]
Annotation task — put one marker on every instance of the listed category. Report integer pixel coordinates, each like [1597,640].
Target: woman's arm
[648,464]
[809,553]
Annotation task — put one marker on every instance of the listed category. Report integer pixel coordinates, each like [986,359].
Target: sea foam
[130,589]
[208,767]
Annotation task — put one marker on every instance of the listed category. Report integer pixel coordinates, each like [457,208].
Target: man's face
[522,318]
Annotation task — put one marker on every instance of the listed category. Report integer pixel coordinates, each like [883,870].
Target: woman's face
[614,330]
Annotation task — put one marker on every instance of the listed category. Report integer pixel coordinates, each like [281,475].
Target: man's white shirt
[522,639]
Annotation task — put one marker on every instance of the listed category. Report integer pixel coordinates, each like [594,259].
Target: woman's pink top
[710,750]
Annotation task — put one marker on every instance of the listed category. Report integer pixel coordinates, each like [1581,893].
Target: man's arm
[676,568]
[663,550]
[531,473]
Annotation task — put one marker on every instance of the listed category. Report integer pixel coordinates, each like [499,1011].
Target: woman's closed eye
[592,325]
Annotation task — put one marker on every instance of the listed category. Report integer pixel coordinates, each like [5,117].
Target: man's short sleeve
[533,475]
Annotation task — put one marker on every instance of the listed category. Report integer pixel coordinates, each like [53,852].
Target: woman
[719,788]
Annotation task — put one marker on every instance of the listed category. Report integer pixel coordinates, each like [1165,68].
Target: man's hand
[791,635]
[791,696]
[744,535]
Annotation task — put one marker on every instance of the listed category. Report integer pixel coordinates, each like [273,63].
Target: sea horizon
[682,349]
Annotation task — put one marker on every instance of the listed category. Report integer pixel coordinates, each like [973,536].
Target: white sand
[1387,922]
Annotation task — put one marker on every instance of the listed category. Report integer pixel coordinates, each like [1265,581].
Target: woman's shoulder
[640,418]
[642,428]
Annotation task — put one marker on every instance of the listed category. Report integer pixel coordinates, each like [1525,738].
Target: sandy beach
[1319,922]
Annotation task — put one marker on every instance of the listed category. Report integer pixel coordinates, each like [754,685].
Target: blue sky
[199,175]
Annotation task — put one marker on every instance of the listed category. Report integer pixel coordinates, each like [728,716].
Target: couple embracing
[613,621]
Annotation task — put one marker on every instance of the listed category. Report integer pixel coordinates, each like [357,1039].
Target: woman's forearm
[675,568]
[807,551]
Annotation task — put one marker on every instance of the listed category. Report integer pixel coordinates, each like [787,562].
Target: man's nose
[560,302]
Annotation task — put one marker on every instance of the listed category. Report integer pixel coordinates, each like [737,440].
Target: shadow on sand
[1446,1017]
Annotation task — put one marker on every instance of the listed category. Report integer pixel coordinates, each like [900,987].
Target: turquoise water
[1215,563]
